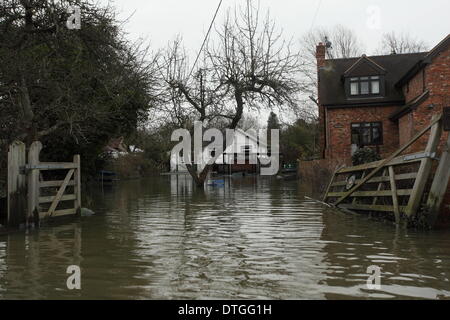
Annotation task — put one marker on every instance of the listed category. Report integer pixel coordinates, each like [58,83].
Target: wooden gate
[44,199]
[395,185]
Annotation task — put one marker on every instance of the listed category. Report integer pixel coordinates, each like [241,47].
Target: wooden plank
[63,198]
[60,193]
[33,182]
[77,161]
[394,195]
[368,207]
[380,186]
[52,166]
[329,186]
[355,199]
[64,212]
[372,165]
[436,120]
[424,170]
[17,188]
[383,193]
[440,185]
[404,176]
[52,184]
[59,213]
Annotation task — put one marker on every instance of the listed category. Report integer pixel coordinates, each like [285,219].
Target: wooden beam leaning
[385,162]
[77,178]
[440,184]
[394,195]
[60,193]
[424,170]
[329,186]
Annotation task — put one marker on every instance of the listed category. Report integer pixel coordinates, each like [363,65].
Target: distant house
[244,155]
[380,102]
[116,147]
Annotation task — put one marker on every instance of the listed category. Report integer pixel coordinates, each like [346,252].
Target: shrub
[365,155]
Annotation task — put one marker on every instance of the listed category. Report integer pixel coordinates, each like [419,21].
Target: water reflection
[414,264]
[251,238]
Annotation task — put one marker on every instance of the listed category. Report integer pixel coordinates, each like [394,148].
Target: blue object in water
[216,183]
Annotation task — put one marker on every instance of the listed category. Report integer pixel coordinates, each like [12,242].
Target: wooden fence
[395,185]
[30,198]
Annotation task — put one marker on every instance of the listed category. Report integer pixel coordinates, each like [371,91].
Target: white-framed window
[364,86]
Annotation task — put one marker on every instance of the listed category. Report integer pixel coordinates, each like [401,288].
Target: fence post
[77,178]
[17,188]
[33,183]
[440,184]
[424,170]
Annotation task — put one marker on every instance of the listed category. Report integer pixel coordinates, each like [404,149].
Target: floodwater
[253,238]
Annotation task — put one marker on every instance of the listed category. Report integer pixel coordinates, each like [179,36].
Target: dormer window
[364,86]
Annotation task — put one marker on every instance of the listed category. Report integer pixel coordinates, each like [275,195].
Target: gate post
[17,188]
[33,183]
[77,178]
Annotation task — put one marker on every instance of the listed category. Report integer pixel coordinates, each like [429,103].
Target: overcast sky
[159,21]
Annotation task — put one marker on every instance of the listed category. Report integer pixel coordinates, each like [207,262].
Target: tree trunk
[199,179]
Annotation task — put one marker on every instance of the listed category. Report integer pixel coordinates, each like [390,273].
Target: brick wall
[435,78]
[320,56]
[339,130]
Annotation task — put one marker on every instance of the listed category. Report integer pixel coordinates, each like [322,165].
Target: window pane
[354,88]
[355,135]
[355,138]
[375,78]
[354,79]
[365,136]
[375,87]
[355,125]
[364,78]
[364,87]
[376,136]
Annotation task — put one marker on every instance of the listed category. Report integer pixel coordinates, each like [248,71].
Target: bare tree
[343,44]
[248,66]
[401,43]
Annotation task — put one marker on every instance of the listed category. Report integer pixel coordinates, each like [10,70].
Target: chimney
[321,50]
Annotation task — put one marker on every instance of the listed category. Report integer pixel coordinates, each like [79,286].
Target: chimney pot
[321,51]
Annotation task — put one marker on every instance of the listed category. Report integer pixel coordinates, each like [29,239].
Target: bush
[365,155]
[132,166]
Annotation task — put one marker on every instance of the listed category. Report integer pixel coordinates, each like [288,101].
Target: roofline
[365,104]
[364,57]
[410,106]
[380,55]
[422,63]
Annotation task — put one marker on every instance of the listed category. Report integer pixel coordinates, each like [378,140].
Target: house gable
[364,67]
[332,86]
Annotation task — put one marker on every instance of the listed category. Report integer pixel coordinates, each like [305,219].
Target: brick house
[380,101]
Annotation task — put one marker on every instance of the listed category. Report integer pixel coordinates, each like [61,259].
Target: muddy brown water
[252,238]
